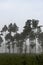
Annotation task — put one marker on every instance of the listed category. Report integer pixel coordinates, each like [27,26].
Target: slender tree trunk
[21,47]
[18,47]
[9,47]
[9,44]
[5,44]
[13,50]
[17,50]
[20,50]
[9,50]
[25,46]
[5,48]
[35,44]
[13,47]
[29,47]
[42,49]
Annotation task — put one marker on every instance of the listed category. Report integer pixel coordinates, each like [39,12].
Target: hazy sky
[19,11]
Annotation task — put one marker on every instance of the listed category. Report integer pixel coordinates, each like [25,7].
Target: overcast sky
[19,11]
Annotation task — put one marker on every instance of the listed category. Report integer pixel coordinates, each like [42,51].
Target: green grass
[14,59]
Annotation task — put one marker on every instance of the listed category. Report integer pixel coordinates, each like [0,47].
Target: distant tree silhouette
[8,38]
[27,29]
[4,29]
[40,40]
[22,39]
[17,38]
[12,28]
[34,29]
[32,38]
[1,40]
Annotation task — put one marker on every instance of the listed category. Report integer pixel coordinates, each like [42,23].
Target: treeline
[32,31]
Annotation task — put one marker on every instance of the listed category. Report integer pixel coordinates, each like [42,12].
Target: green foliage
[12,27]
[4,29]
[11,59]
[35,23]
[1,40]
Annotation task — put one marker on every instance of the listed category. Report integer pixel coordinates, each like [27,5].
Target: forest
[10,36]
[15,44]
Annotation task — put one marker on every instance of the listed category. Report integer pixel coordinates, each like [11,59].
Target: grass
[14,59]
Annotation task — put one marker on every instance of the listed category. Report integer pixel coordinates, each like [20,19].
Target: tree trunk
[42,49]
[25,46]
[5,44]
[9,50]
[20,50]
[13,49]
[29,47]
[9,47]
[18,47]
[5,49]
[13,46]
[35,45]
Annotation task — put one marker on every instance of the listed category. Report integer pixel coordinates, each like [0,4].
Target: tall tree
[34,29]
[22,40]
[9,39]
[32,39]
[40,40]
[1,40]
[13,28]
[4,29]
[27,30]
[17,38]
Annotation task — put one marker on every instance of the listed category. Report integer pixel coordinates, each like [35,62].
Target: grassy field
[14,59]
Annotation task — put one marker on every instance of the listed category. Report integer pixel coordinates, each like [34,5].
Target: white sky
[19,11]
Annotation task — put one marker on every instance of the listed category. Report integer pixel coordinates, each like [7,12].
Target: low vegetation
[15,59]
